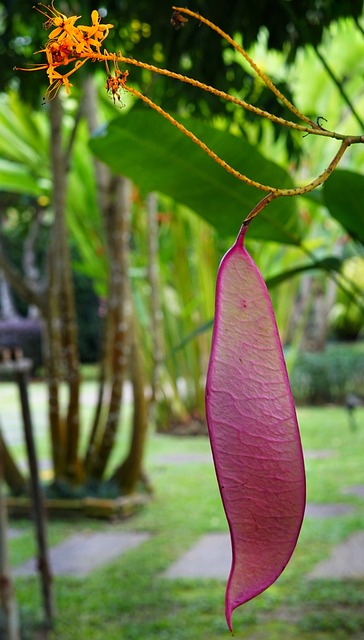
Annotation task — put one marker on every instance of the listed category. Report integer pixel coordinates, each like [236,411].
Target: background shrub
[329,376]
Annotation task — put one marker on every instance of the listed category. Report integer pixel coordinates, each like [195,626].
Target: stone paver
[328,510]
[81,553]
[210,557]
[319,454]
[345,561]
[183,458]
[191,458]
[355,490]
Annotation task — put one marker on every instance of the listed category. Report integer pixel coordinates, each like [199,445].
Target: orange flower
[64,26]
[57,80]
[67,44]
[61,52]
[95,34]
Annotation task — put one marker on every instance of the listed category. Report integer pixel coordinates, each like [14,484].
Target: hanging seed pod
[253,430]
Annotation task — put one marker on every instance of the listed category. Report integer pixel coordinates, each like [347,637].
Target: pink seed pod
[253,430]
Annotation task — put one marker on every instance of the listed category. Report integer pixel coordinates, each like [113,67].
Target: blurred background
[112,227]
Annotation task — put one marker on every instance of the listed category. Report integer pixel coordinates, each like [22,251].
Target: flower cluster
[70,45]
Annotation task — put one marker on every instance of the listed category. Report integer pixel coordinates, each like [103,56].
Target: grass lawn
[130,600]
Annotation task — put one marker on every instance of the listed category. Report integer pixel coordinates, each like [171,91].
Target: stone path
[183,458]
[82,553]
[210,557]
[356,490]
[345,561]
[319,454]
[328,510]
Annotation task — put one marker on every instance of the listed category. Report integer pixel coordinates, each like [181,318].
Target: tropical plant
[249,406]
[53,295]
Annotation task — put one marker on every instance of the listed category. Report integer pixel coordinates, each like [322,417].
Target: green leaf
[343,196]
[143,146]
[330,263]
[16,178]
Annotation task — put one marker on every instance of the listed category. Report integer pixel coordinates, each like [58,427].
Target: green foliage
[328,376]
[346,316]
[156,156]
[343,196]
[24,165]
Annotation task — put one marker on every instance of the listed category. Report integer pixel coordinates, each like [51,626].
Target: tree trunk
[52,362]
[320,296]
[156,314]
[130,471]
[7,308]
[118,319]
[63,314]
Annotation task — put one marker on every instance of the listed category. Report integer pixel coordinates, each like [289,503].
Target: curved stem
[312,129]
[202,145]
[220,94]
[251,62]
[277,193]
[297,191]
[273,192]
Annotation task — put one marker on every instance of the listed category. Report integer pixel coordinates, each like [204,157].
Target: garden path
[210,556]
[81,553]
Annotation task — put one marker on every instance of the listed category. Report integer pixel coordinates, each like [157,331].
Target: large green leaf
[143,146]
[343,195]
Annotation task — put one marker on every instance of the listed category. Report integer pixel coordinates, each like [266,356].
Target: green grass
[129,600]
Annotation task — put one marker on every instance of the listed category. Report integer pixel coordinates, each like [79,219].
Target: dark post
[22,370]
[7,596]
